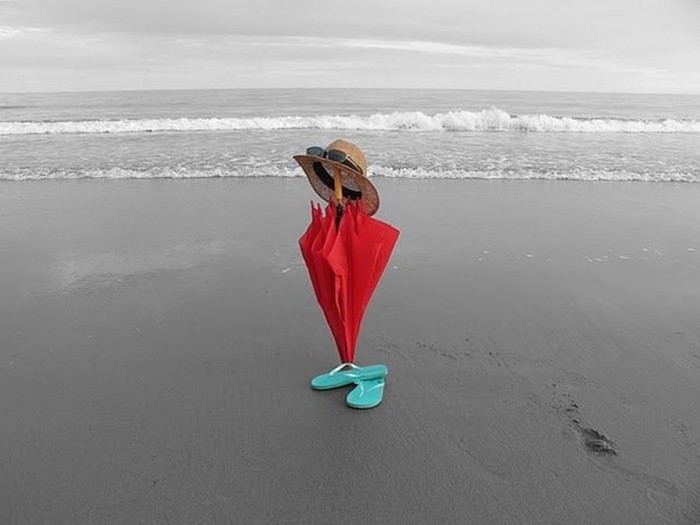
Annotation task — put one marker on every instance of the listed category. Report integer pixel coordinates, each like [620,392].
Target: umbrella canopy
[345,259]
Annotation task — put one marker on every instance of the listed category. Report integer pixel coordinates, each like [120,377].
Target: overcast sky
[579,45]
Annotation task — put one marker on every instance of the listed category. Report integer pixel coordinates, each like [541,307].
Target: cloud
[506,44]
[8,32]
[18,31]
[504,56]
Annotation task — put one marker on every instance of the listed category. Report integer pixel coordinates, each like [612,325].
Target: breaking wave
[493,119]
[374,171]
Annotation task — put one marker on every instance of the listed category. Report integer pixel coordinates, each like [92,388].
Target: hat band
[325,177]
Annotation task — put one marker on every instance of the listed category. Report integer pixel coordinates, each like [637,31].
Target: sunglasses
[335,155]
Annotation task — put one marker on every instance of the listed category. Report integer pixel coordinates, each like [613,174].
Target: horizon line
[291,88]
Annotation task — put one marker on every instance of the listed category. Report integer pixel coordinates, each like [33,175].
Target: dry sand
[157,339]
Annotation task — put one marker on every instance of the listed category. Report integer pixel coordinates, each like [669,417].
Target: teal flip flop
[367,394]
[347,374]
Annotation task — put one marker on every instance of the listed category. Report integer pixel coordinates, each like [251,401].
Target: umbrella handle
[338,187]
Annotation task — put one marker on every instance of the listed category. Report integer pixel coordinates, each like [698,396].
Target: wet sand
[157,338]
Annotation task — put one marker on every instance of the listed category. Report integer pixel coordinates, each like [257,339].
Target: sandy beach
[157,338]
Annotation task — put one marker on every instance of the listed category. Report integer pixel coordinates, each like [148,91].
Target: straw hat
[320,172]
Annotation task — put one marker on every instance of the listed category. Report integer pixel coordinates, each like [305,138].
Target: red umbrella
[346,253]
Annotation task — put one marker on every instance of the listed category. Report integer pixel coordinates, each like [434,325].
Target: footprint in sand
[593,440]
[596,442]
[600,446]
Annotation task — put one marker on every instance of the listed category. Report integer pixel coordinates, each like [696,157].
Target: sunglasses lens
[316,151]
[342,157]
[337,156]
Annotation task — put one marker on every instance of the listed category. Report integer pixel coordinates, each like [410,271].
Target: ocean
[404,133]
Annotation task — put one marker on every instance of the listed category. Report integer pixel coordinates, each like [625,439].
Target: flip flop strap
[341,366]
[364,390]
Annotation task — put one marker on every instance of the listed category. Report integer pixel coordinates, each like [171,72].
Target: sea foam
[374,171]
[493,119]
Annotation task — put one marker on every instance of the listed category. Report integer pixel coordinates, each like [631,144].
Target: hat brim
[320,172]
